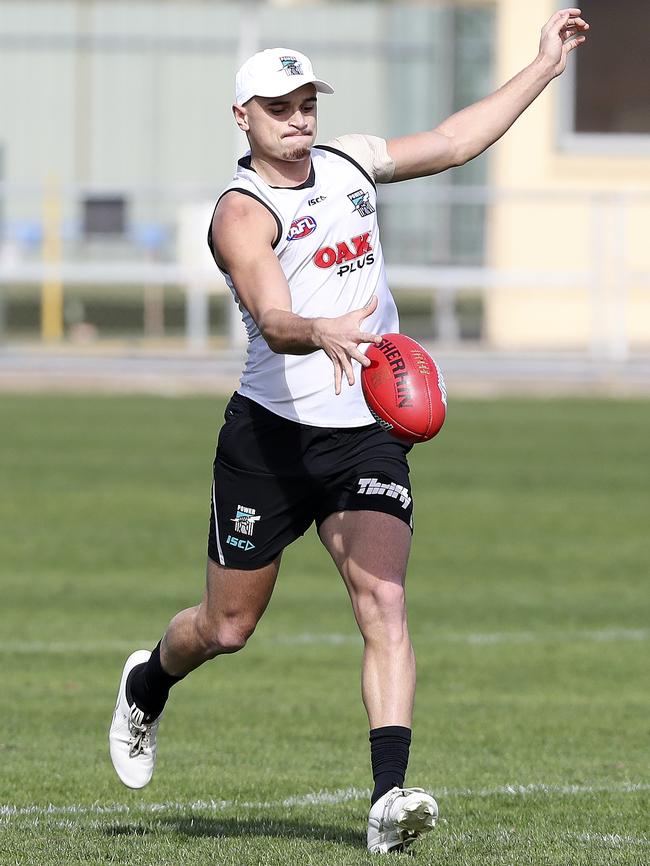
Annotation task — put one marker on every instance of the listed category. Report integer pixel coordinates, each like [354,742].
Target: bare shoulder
[241,222]
[235,207]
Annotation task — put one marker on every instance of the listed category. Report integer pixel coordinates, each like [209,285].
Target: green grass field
[529,608]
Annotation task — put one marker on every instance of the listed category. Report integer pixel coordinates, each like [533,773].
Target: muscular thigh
[370,549]
[233,594]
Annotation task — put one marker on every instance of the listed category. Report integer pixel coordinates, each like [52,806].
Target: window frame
[596,143]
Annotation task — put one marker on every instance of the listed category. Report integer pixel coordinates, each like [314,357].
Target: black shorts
[273,478]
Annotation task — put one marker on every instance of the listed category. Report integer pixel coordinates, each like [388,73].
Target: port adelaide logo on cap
[291,65]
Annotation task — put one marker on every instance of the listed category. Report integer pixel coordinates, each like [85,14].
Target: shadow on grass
[233,827]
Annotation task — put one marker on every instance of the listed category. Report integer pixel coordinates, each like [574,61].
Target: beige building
[570,221]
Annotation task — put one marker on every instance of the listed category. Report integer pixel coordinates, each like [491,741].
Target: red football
[404,388]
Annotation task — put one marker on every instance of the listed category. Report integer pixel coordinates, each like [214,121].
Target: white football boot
[398,818]
[131,738]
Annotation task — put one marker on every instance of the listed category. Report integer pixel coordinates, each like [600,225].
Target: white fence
[598,271]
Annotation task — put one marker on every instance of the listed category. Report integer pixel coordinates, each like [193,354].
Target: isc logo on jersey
[350,255]
[301,227]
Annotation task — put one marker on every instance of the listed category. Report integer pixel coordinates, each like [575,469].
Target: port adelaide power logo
[290,65]
[244,520]
[361,201]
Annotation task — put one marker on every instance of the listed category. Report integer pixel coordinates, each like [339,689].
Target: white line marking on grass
[506,837]
[28,647]
[609,635]
[540,788]
[316,798]
[312,638]
[612,839]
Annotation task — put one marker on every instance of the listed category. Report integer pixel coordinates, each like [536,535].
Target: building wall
[133,97]
[138,91]
[587,213]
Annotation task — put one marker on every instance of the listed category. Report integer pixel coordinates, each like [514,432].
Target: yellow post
[52,288]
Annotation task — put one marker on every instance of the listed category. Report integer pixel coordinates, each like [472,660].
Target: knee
[385,598]
[227,635]
[381,611]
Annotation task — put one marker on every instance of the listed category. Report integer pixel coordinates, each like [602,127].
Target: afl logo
[301,228]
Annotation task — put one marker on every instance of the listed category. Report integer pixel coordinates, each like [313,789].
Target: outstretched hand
[563,32]
[339,338]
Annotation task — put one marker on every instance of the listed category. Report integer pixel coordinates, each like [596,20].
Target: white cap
[275,72]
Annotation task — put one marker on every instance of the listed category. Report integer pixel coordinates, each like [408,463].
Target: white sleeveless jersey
[328,246]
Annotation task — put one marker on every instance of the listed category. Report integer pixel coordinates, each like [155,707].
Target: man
[295,234]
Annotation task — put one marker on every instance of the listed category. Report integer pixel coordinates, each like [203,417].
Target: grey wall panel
[198,128]
[136,94]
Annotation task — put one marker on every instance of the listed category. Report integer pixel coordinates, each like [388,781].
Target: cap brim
[321,87]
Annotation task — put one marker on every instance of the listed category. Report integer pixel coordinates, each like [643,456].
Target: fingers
[342,362]
[573,43]
[563,32]
[342,366]
[573,33]
[565,18]
[359,356]
[375,339]
[369,308]
[557,20]
[349,372]
[342,343]
[573,25]
[337,363]
[337,377]
[340,359]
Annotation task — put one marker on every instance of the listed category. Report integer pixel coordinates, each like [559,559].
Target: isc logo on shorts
[241,543]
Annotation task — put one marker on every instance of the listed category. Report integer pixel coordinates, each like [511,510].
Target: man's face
[281,127]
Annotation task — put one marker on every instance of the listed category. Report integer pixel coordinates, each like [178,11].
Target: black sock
[148,685]
[389,754]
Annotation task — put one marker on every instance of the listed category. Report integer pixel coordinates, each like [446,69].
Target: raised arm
[469,132]
[243,232]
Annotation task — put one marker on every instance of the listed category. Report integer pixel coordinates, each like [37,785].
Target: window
[104,215]
[608,98]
